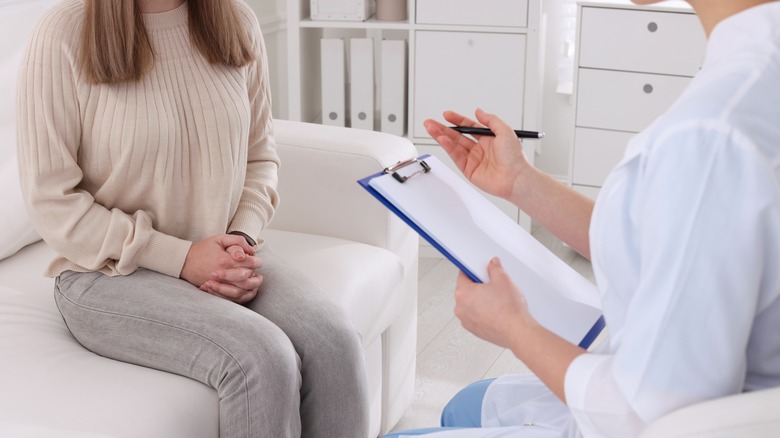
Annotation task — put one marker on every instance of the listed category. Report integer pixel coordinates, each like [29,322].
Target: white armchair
[750,414]
[327,226]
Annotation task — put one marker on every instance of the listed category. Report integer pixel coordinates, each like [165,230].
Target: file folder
[361,73]
[392,87]
[333,66]
[469,230]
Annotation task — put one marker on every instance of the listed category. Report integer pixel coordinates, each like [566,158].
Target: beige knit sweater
[127,176]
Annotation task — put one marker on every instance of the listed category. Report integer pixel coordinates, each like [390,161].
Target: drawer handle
[652,26]
[647,88]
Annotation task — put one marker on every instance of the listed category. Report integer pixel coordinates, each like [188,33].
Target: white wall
[272,17]
[557,109]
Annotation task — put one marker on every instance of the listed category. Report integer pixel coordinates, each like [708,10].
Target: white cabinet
[509,13]
[643,40]
[624,101]
[452,73]
[596,151]
[633,63]
[461,55]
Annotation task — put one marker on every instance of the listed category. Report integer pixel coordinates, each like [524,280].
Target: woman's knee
[338,335]
[265,349]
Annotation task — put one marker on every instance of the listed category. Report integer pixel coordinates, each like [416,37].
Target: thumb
[494,123]
[495,269]
[228,240]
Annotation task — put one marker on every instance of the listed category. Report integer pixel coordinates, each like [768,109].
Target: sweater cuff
[250,220]
[164,253]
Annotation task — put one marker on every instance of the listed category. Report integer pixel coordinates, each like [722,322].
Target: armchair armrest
[750,414]
[320,195]
[318,181]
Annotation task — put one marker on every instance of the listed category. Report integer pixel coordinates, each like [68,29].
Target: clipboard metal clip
[425,168]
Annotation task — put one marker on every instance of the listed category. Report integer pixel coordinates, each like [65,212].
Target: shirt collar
[756,25]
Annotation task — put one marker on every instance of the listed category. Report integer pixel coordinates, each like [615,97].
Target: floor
[449,357]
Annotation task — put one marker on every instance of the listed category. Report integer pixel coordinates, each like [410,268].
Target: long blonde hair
[115,46]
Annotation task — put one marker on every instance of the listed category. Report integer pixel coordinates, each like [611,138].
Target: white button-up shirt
[685,244]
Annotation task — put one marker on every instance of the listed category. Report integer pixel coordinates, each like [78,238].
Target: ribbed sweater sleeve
[259,197]
[118,177]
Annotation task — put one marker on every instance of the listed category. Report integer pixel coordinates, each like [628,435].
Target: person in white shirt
[684,239]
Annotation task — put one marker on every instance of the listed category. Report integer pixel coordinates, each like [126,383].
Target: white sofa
[747,415]
[327,226]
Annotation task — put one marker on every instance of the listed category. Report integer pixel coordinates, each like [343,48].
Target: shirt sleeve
[259,197]
[703,206]
[49,131]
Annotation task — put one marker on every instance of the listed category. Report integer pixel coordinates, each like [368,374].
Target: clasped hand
[224,265]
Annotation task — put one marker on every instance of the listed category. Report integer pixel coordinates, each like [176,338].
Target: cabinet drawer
[643,41]
[449,75]
[596,153]
[624,101]
[512,13]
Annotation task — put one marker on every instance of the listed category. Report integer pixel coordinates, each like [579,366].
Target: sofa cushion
[346,270]
[20,430]
[17,230]
[16,18]
[60,386]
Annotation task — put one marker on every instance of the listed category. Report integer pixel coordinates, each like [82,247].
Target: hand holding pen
[492,161]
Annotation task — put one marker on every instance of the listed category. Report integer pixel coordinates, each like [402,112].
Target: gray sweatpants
[286,364]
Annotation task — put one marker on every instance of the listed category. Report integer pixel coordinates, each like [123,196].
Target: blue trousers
[463,411]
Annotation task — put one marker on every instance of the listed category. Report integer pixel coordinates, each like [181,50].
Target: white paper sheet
[473,230]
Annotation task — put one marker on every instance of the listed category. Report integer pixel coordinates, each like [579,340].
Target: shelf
[463,28]
[669,6]
[374,24]
[371,23]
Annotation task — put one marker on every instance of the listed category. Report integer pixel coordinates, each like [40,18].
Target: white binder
[393,87]
[333,67]
[361,72]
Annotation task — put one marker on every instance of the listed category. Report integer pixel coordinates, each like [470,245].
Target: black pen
[485,131]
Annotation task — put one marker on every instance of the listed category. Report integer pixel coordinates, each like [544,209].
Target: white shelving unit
[633,62]
[461,55]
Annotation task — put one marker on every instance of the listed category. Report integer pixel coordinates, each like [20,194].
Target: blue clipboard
[589,337]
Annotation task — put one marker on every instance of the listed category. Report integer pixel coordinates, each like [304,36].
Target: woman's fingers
[237,253]
[233,292]
[228,240]
[233,275]
[494,123]
[460,120]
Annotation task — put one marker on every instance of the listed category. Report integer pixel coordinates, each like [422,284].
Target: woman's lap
[275,343]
